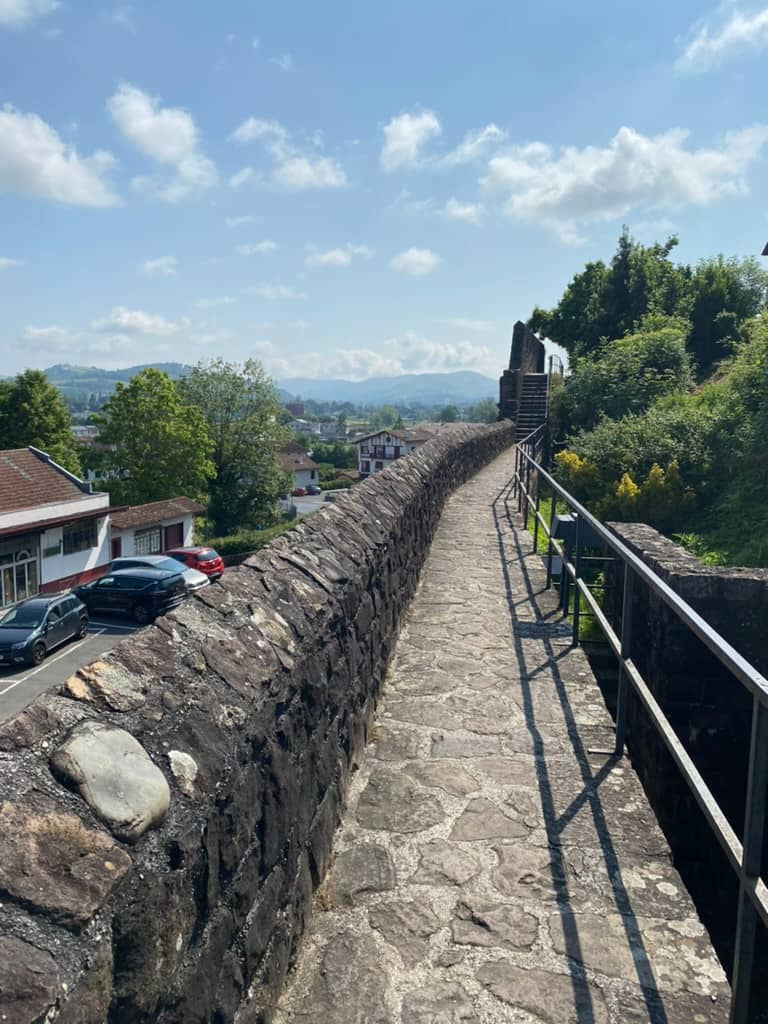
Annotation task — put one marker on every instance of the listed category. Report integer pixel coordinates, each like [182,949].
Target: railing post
[576,591]
[527,490]
[536,506]
[754,825]
[552,509]
[626,642]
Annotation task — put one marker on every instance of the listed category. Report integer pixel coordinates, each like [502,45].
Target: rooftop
[30,479]
[156,512]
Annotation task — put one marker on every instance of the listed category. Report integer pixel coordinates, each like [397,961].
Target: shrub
[337,485]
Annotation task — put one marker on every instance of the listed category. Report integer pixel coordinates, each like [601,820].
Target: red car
[299,492]
[203,559]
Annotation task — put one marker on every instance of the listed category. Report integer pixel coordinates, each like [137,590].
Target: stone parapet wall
[710,711]
[165,819]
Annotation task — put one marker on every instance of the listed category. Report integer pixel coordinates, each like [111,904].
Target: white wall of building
[65,567]
[128,537]
[88,503]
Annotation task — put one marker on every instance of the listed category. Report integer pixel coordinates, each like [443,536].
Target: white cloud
[475,145]
[221,300]
[136,321]
[238,222]
[409,353]
[293,170]
[53,334]
[341,256]
[276,292]
[302,172]
[163,266]
[464,324]
[285,63]
[566,189]
[6,263]
[168,136]
[710,43]
[256,43]
[35,161]
[470,213]
[254,248]
[242,177]
[124,17]
[405,136]
[416,262]
[55,340]
[19,13]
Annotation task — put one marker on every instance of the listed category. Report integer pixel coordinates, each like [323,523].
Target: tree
[450,414]
[607,302]
[385,416]
[484,411]
[156,443]
[241,409]
[726,294]
[32,412]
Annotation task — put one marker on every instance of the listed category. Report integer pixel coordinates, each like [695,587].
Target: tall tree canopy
[156,442]
[242,413]
[606,302]
[32,412]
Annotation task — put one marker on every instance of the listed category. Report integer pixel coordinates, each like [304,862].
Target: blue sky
[355,189]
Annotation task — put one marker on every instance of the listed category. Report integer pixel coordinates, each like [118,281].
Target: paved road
[19,687]
[311,503]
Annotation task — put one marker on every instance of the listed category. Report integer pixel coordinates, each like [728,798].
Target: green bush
[248,540]
[337,485]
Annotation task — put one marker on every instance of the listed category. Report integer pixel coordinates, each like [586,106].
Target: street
[20,686]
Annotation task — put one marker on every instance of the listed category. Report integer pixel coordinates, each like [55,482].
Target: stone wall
[526,356]
[165,819]
[709,709]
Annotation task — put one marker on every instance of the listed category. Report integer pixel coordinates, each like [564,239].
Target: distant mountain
[64,375]
[460,388]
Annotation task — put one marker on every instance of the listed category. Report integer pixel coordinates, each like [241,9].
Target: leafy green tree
[383,417]
[607,302]
[726,293]
[32,412]
[629,374]
[450,414]
[484,411]
[156,443]
[241,409]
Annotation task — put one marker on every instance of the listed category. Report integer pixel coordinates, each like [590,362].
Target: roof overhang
[45,524]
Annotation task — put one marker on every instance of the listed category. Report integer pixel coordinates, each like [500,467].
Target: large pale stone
[452,778]
[406,925]
[484,820]
[105,683]
[479,922]
[365,867]
[445,863]
[51,862]
[396,804]
[350,987]
[115,776]
[553,998]
[445,1003]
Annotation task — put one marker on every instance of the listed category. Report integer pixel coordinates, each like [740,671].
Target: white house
[302,469]
[154,527]
[377,451]
[54,531]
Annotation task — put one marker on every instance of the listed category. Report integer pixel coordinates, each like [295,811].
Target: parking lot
[19,686]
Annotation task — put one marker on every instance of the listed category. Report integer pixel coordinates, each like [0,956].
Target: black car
[32,628]
[141,593]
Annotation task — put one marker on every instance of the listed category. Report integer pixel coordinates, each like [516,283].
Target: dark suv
[32,628]
[141,593]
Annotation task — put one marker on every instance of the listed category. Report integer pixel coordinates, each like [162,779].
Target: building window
[379,465]
[311,474]
[79,536]
[148,542]
[365,467]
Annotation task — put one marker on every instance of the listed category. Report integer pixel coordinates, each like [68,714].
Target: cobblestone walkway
[494,864]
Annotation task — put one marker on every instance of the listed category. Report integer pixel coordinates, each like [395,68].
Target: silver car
[193,579]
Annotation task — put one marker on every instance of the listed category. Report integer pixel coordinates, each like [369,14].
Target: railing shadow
[555,824]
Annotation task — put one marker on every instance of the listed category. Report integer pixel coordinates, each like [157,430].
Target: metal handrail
[745,858]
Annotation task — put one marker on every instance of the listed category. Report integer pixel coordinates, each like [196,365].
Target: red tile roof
[290,461]
[156,512]
[28,479]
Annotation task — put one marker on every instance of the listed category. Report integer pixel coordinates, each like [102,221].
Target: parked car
[32,628]
[314,489]
[142,592]
[193,578]
[203,559]
[299,492]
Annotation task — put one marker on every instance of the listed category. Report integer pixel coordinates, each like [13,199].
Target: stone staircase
[533,404]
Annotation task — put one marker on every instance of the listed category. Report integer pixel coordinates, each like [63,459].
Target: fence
[745,857]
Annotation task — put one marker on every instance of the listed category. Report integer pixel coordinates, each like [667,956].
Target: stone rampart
[526,356]
[165,818]
[709,709]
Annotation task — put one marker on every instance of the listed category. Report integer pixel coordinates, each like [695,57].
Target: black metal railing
[744,857]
